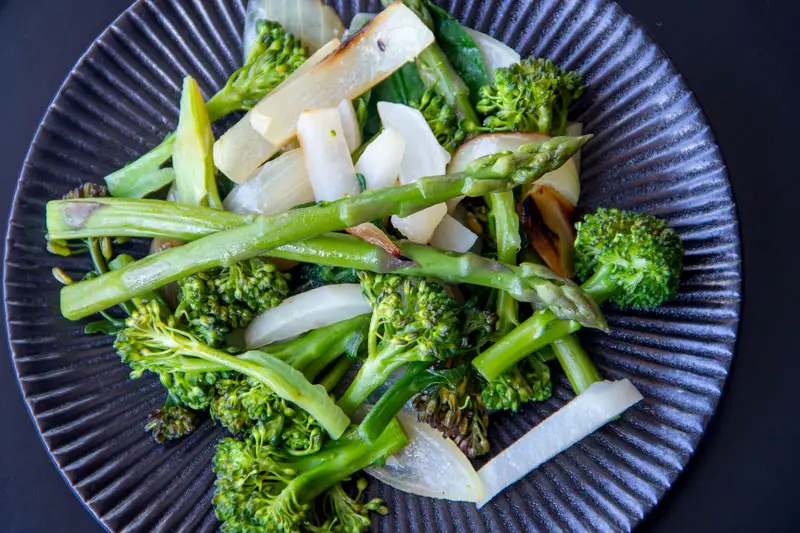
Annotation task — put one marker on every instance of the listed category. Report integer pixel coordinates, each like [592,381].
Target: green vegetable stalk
[632,259]
[491,173]
[505,225]
[274,57]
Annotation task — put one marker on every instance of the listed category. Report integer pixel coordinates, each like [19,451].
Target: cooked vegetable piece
[309,20]
[381,160]
[602,403]
[392,39]
[305,312]
[495,55]
[452,235]
[277,187]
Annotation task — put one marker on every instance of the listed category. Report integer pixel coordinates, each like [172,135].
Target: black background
[741,58]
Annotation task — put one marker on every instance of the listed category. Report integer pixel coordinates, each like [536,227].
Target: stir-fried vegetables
[258,310]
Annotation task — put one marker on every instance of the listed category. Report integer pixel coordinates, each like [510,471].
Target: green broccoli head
[533,95]
[638,253]
[171,422]
[413,311]
[341,513]
[527,381]
[442,119]
[246,406]
[222,299]
[275,55]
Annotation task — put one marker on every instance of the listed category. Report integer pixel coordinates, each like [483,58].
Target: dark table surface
[741,57]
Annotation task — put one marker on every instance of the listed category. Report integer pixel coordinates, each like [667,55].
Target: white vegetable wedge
[311,21]
[328,161]
[494,54]
[453,235]
[314,309]
[277,187]
[420,226]
[392,39]
[598,405]
[352,130]
[241,150]
[380,162]
[429,466]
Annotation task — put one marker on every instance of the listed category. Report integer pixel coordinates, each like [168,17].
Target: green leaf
[402,87]
[460,49]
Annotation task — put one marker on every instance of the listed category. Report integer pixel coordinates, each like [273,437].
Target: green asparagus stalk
[542,329]
[505,225]
[577,365]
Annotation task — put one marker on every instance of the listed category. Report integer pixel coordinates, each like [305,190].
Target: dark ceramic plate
[653,150]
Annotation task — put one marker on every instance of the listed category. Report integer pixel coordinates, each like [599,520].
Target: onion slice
[429,466]
[598,405]
[330,167]
[391,40]
[306,311]
[380,162]
[278,186]
[311,21]
[241,150]
[495,54]
[369,232]
[352,130]
[452,235]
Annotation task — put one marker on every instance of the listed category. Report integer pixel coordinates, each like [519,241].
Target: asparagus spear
[500,171]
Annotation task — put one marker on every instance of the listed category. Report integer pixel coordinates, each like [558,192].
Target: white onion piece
[352,130]
[241,149]
[565,179]
[328,161]
[575,129]
[420,226]
[452,235]
[598,405]
[395,37]
[310,310]
[494,53]
[277,187]
[429,466]
[311,21]
[424,156]
[380,162]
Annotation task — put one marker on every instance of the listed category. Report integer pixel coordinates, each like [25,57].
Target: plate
[653,151]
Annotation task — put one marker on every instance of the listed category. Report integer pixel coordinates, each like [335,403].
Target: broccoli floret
[313,276]
[533,95]
[261,488]
[341,513]
[275,55]
[246,406]
[194,390]
[455,408]
[442,119]
[527,381]
[171,422]
[638,254]
[413,320]
[217,301]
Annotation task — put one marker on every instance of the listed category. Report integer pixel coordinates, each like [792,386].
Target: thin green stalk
[540,330]
[492,173]
[337,372]
[505,224]
[577,364]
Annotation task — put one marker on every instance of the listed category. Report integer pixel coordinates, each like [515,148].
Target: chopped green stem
[143,176]
[505,224]
[438,74]
[538,331]
[577,364]
[414,381]
[337,372]
[497,172]
[372,374]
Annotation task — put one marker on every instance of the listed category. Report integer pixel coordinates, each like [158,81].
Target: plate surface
[653,151]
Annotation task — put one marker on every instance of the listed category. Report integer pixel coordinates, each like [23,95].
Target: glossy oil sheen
[653,150]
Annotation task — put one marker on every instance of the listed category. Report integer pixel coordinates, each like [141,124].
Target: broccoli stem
[505,224]
[488,174]
[337,373]
[145,175]
[541,329]
[414,381]
[349,457]
[372,374]
[577,364]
